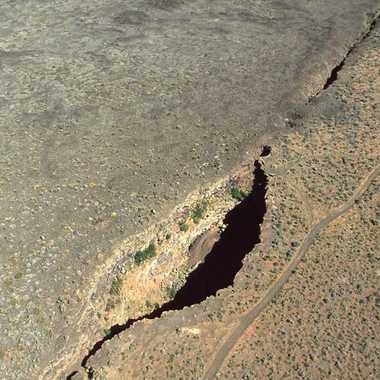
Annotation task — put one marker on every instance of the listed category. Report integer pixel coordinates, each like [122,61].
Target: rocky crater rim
[124,252]
[168,251]
[220,253]
[243,175]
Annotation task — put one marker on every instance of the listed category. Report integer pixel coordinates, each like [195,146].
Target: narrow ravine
[224,261]
[336,70]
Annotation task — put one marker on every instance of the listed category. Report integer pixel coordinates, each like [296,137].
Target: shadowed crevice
[221,265]
[335,71]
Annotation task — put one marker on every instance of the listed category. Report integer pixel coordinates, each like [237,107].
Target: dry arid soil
[305,304]
[189,189]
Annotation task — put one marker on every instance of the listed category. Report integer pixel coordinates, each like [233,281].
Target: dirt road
[247,319]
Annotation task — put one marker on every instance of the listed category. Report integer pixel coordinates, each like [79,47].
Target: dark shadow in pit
[225,259]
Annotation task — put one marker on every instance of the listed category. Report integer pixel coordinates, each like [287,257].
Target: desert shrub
[199,212]
[238,194]
[147,253]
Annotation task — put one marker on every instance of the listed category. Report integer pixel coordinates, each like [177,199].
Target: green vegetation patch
[172,290]
[183,226]
[238,194]
[199,212]
[147,253]
[116,286]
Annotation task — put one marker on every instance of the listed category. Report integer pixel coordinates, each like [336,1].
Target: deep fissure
[224,261]
[335,71]
[334,74]
[175,303]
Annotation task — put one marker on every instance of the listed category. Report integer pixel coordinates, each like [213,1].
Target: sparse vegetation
[147,253]
[183,226]
[171,291]
[116,286]
[238,194]
[314,181]
[199,212]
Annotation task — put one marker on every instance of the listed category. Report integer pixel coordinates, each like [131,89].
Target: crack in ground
[229,241]
[296,115]
[221,265]
[186,296]
[335,71]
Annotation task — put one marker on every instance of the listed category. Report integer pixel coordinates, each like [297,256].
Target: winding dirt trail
[247,319]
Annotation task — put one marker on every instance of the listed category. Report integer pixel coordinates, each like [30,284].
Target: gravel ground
[324,322]
[111,114]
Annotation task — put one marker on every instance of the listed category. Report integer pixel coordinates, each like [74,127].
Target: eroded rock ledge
[313,172]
